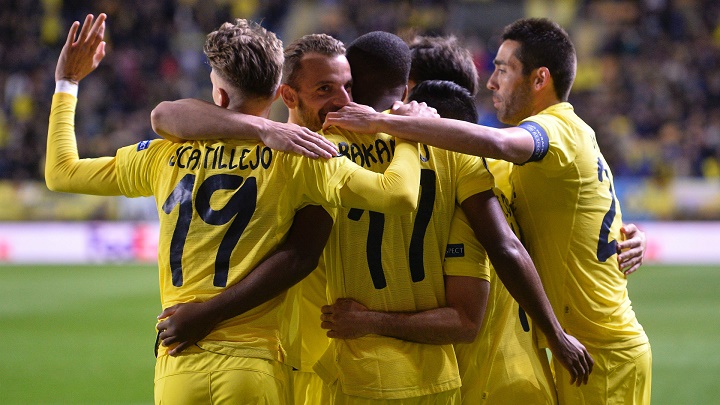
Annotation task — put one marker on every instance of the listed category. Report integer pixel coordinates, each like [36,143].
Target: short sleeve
[473,176]
[465,256]
[138,165]
[562,147]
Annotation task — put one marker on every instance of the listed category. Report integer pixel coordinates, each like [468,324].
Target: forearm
[513,145]
[393,192]
[517,272]
[436,326]
[297,257]
[275,275]
[511,261]
[191,119]
[64,170]
[458,321]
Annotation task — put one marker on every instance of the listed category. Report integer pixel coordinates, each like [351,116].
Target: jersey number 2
[606,247]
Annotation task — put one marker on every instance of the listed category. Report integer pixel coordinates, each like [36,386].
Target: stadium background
[78,290]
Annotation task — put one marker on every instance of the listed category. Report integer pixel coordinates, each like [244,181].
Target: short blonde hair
[247,56]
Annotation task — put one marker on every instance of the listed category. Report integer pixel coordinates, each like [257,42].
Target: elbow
[157,115]
[54,181]
[160,121]
[302,263]
[57,186]
[52,184]
[408,203]
[404,202]
[468,332]
[307,263]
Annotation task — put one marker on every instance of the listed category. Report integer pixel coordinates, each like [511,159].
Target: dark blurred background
[648,82]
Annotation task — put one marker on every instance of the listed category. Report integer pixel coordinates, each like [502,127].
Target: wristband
[66,86]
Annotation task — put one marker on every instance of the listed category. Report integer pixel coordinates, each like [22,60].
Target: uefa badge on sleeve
[143,145]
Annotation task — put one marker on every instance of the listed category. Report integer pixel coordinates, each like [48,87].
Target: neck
[384,100]
[257,107]
[294,117]
[544,99]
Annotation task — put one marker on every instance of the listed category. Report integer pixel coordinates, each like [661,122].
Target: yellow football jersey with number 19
[213,199]
[223,207]
[394,263]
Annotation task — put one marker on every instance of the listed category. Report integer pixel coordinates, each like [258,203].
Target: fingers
[628,244]
[98,29]
[583,373]
[99,53]
[90,32]
[314,145]
[629,229]
[85,30]
[590,362]
[179,348]
[168,339]
[632,269]
[166,313]
[72,33]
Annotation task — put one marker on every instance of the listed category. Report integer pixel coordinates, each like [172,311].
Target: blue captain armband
[541,142]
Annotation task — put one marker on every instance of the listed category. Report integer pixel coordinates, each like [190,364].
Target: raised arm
[514,144]
[457,322]
[185,324]
[517,271]
[64,170]
[191,119]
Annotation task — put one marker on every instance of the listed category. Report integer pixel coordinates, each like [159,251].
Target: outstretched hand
[574,357]
[632,250]
[184,325]
[80,57]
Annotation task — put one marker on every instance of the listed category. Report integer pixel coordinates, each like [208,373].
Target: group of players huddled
[380,247]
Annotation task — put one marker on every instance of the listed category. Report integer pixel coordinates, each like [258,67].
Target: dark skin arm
[457,322]
[186,324]
[517,271]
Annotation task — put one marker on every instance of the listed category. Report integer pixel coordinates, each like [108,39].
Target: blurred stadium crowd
[648,76]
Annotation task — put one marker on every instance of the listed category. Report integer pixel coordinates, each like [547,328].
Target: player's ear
[224,98]
[406,92]
[289,96]
[541,78]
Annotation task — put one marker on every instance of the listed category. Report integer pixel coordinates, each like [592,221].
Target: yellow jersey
[394,263]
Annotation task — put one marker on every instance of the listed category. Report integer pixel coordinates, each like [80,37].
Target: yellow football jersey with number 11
[394,263]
